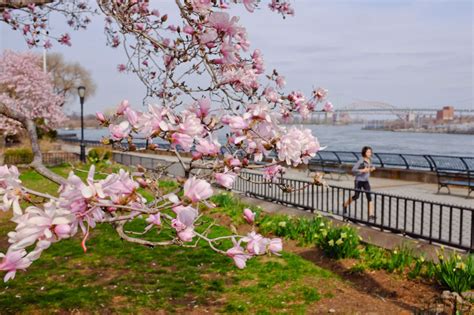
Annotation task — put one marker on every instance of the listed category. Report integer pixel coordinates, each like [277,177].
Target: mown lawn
[117,276]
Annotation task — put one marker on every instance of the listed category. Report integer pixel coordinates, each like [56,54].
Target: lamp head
[81,91]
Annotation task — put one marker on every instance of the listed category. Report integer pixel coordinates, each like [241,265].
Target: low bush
[339,242]
[455,273]
[18,156]
[98,155]
[400,259]
[304,230]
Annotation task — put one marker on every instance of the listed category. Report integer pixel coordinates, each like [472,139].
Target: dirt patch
[370,291]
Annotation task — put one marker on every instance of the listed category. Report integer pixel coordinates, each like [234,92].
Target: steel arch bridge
[378,107]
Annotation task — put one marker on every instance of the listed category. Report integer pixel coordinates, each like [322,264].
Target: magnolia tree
[206,81]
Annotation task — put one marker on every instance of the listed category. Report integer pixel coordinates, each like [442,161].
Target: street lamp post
[82,92]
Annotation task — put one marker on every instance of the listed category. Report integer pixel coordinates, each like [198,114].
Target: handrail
[408,161]
[426,162]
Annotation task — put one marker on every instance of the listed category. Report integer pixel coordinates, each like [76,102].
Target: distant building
[411,116]
[447,113]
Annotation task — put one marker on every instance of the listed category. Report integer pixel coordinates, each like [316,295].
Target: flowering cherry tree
[206,80]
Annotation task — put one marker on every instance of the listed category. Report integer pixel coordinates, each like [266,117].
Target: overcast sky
[402,52]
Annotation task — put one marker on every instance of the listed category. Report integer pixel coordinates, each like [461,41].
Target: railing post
[405,161]
[472,232]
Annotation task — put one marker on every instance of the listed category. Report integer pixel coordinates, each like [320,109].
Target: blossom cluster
[25,88]
[83,204]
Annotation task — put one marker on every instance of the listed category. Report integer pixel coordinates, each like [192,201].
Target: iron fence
[426,162]
[49,158]
[422,219]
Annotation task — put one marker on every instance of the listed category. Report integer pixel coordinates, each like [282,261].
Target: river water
[352,138]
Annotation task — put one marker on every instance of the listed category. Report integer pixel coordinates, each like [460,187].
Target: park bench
[456,173]
[327,167]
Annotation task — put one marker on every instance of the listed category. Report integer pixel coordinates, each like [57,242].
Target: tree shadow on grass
[411,296]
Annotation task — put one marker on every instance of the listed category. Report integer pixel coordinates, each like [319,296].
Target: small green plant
[340,242]
[400,258]
[98,155]
[304,230]
[418,268]
[375,257]
[454,272]
[18,156]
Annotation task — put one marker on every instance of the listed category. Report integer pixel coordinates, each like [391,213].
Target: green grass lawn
[123,277]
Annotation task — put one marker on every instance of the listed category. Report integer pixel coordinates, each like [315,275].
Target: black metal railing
[49,158]
[441,223]
[425,162]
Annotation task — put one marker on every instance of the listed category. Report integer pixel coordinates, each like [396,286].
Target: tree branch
[30,127]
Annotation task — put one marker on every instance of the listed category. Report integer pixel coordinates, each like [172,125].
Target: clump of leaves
[339,242]
[455,272]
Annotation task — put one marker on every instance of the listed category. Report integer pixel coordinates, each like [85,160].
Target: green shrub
[304,230]
[375,257]
[455,273]
[18,156]
[230,205]
[417,270]
[400,259]
[339,242]
[98,155]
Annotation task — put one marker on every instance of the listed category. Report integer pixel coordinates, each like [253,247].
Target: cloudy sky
[402,52]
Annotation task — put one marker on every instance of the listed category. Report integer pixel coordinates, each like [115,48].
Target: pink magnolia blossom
[270,173]
[122,107]
[297,146]
[184,222]
[187,234]
[201,5]
[131,116]
[10,188]
[100,117]
[238,255]
[181,139]
[225,179]
[249,216]
[280,81]
[197,189]
[120,131]
[154,219]
[235,122]
[250,5]
[188,30]
[328,107]
[208,147]
[256,243]
[202,107]
[12,261]
[222,22]
[65,40]
[121,67]
[191,125]
[49,224]
[320,94]
[275,246]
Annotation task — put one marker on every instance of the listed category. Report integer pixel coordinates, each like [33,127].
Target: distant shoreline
[452,132]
